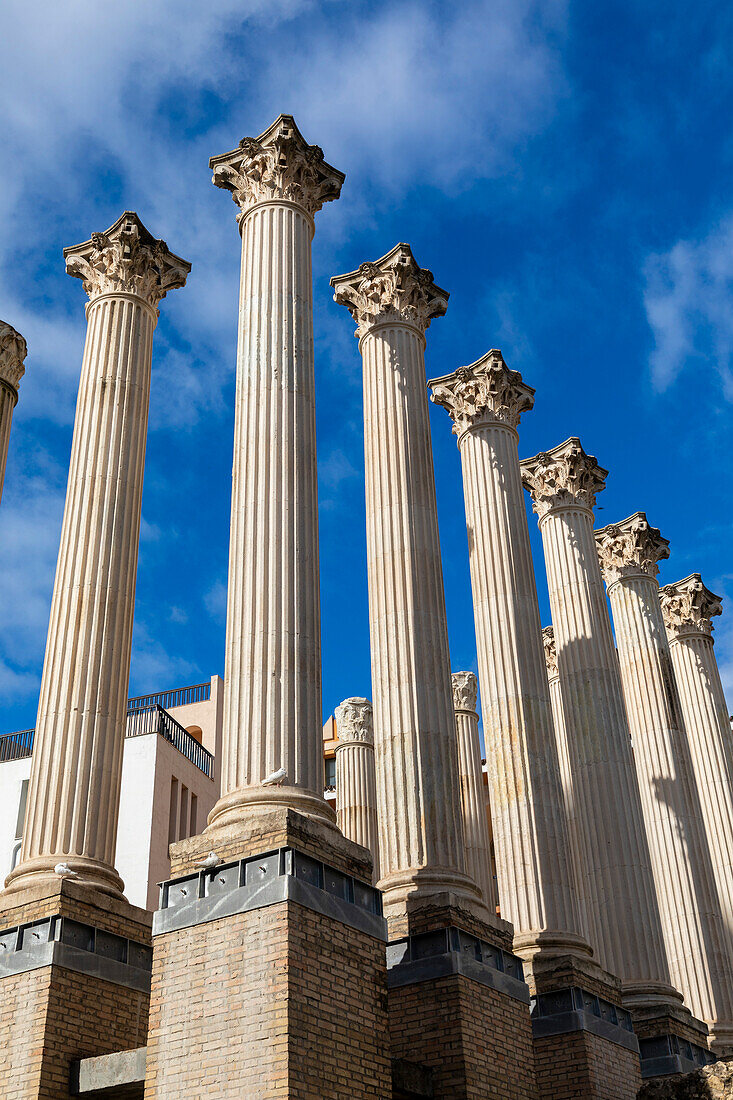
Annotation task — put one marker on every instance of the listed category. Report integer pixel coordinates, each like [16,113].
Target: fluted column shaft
[473,796]
[13,351]
[356,787]
[73,797]
[696,942]
[620,890]
[271,749]
[706,721]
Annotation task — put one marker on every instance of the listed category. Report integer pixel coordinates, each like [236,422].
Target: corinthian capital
[566,475]
[689,607]
[629,548]
[394,289]
[354,721]
[548,641]
[484,392]
[126,260]
[277,165]
[465,690]
[13,350]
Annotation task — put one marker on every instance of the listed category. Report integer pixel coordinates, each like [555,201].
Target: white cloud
[689,303]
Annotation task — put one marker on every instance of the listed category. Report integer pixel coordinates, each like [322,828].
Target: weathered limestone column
[272,693]
[695,937]
[473,797]
[688,608]
[536,887]
[356,785]
[622,910]
[475,1035]
[73,799]
[421,830]
[13,350]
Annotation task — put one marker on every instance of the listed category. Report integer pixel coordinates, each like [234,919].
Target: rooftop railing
[179,697]
[140,720]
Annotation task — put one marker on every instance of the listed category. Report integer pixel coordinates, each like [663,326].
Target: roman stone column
[272,751]
[73,798]
[13,351]
[622,911]
[536,887]
[696,941]
[473,796]
[421,829]
[688,608]
[356,787]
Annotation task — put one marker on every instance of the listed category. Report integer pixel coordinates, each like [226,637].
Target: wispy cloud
[689,304]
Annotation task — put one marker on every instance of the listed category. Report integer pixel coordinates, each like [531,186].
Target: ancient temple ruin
[368,950]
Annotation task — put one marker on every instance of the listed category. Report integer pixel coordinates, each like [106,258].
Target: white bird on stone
[64,871]
[275,779]
[211,861]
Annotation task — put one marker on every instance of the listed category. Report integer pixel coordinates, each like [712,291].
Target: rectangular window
[21,810]
[194,813]
[330,766]
[173,813]
[183,817]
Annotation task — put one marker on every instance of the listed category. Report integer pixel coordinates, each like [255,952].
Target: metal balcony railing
[179,697]
[150,719]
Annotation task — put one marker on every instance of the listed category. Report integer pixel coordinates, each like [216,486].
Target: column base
[236,808]
[584,1042]
[39,871]
[671,1041]
[269,976]
[459,1006]
[74,983]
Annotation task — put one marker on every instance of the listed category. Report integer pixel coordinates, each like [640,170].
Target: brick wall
[277,1002]
[478,1042]
[583,1066]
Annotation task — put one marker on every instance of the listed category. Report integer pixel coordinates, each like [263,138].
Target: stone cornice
[13,350]
[279,165]
[394,289]
[689,607]
[354,722]
[465,691]
[630,548]
[484,392]
[564,477]
[126,259]
[548,641]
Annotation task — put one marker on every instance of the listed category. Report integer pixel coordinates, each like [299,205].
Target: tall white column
[694,934]
[356,785]
[473,796]
[688,608]
[73,798]
[622,911]
[421,838]
[272,692]
[13,351]
[536,886]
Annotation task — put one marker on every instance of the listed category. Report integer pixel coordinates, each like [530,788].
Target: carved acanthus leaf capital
[629,548]
[564,476]
[689,607]
[126,259]
[394,289]
[13,350]
[548,640]
[277,165]
[354,721]
[484,392]
[465,690]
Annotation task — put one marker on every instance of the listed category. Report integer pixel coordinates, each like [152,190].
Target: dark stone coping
[258,881]
[117,1075]
[60,941]
[430,955]
[666,1054]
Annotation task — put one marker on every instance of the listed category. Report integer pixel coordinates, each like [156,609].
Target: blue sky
[565,171]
